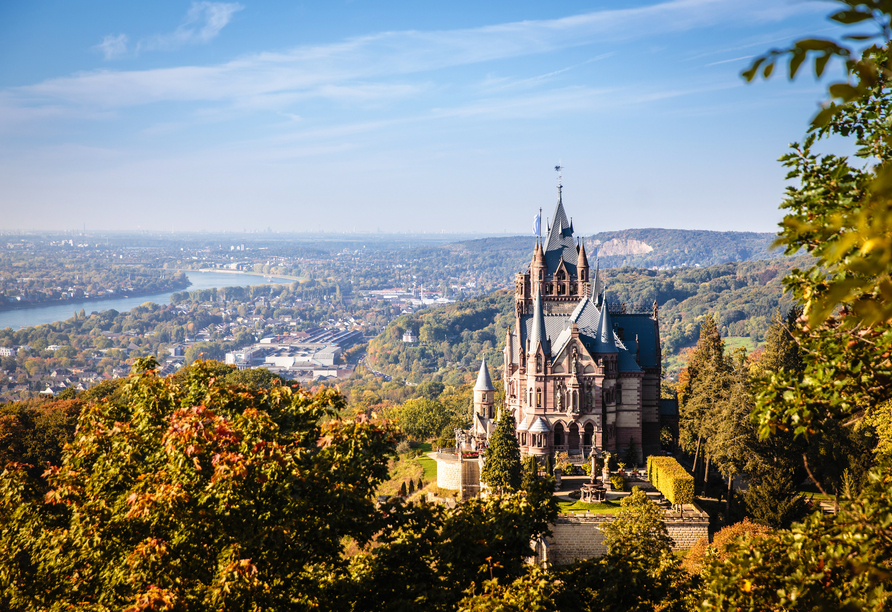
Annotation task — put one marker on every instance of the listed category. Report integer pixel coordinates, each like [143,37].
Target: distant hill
[641,248]
[742,296]
[668,248]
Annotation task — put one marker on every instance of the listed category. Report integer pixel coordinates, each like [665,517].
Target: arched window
[538,398]
[573,437]
[558,434]
[588,434]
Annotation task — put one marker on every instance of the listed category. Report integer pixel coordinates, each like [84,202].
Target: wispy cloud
[113,46]
[728,61]
[347,70]
[203,22]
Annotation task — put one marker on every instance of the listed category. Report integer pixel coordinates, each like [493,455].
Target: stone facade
[580,374]
[457,474]
[579,536]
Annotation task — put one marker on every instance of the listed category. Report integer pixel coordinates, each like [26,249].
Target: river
[29,317]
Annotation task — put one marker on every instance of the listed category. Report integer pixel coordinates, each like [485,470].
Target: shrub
[618,483]
[403,447]
[693,561]
[671,479]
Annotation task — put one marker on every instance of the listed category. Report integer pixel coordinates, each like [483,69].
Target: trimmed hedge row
[671,479]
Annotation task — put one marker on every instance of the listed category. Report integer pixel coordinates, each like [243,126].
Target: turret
[538,269]
[605,343]
[582,265]
[484,393]
[538,335]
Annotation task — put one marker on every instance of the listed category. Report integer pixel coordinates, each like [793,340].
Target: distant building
[409,337]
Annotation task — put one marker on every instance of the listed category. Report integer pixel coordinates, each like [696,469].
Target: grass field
[732,342]
[428,464]
[578,506]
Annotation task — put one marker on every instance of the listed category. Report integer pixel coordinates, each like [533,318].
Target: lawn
[428,464]
[597,508]
[732,342]
[403,469]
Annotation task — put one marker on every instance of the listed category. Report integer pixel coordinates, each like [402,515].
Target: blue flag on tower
[537,224]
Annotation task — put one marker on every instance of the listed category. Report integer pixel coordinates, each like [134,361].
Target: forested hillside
[669,248]
[741,297]
[641,248]
[452,340]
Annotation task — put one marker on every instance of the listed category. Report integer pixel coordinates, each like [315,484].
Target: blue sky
[395,116]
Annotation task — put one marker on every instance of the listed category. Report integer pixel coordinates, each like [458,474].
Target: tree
[194,495]
[775,501]
[700,383]
[639,572]
[423,418]
[501,467]
[842,215]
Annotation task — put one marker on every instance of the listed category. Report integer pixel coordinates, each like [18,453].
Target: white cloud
[113,46]
[203,22]
[344,70]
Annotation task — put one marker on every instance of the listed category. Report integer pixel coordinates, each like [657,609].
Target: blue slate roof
[559,242]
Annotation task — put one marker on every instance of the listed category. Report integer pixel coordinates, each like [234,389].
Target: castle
[580,374]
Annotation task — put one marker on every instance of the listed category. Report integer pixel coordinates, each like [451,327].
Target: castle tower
[484,401]
[578,377]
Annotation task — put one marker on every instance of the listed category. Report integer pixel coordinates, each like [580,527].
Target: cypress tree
[411,487]
[403,490]
[420,484]
[501,469]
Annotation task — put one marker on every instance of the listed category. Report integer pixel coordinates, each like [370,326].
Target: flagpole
[540,225]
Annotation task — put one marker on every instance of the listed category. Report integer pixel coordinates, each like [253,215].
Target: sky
[387,116]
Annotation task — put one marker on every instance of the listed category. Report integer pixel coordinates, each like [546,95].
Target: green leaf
[849,17]
[796,61]
[821,63]
[844,91]
[750,73]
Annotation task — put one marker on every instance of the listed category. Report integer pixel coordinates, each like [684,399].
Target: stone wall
[579,536]
[454,473]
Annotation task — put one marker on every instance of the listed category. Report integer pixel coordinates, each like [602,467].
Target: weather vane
[558,169]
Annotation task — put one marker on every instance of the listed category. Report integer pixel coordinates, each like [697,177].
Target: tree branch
[812,476]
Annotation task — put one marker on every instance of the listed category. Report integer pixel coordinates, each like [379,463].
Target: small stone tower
[484,400]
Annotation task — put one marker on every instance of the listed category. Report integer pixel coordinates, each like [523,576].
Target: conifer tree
[403,489]
[411,487]
[530,473]
[701,384]
[774,502]
[501,469]
[420,484]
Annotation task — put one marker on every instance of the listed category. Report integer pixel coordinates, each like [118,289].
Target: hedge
[671,479]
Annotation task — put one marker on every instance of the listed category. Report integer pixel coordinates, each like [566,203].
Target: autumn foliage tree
[192,495]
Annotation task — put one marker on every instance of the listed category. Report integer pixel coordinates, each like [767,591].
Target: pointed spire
[604,343]
[583,260]
[484,382]
[537,332]
[597,290]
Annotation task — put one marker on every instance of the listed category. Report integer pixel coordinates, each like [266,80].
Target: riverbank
[244,272]
[90,300]
[50,313]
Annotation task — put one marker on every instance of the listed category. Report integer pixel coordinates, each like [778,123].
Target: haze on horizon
[395,117]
